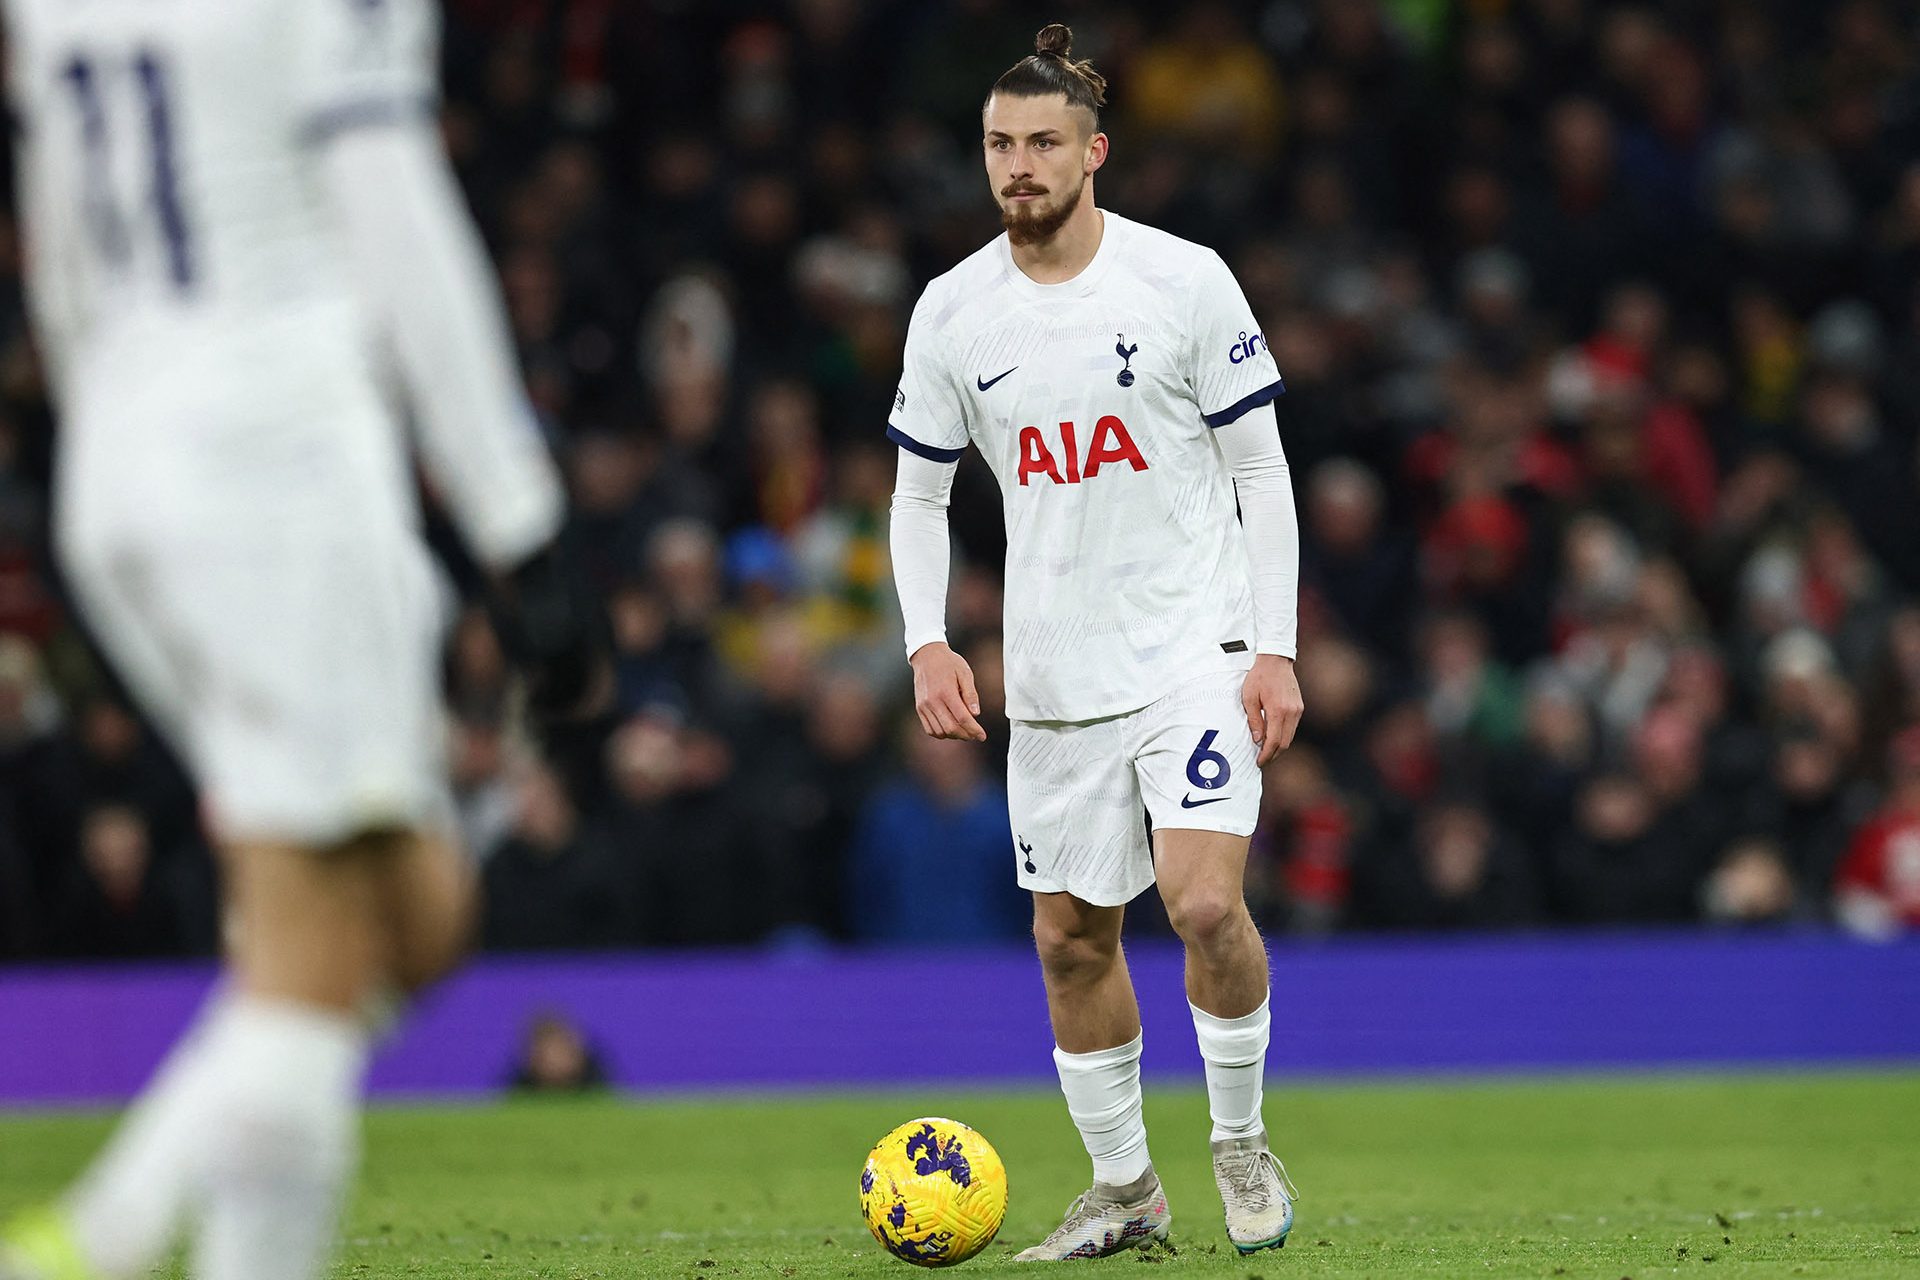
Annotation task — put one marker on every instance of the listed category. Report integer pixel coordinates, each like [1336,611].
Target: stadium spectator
[1621,862]
[699,861]
[550,885]
[929,859]
[1339,686]
[1206,83]
[1877,889]
[1532,784]
[477,675]
[1300,869]
[1892,686]
[1696,685]
[485,804]
[1473,702]
[1808,805]
[123,899]
[1455,870]
[1582,230]
[844,758]
[556,1057]
[1351,561]
[1751,884]
[29,721]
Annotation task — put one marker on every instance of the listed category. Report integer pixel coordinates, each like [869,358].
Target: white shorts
[1075,790]
[296,671]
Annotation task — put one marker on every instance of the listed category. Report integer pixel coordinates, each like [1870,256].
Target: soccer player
[1115,380]
[239,220]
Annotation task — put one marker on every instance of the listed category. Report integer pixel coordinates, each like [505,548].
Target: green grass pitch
[1756,1175]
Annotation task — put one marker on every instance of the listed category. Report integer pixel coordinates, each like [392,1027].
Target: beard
[1034,223]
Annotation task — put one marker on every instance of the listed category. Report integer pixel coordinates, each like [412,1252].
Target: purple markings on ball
[933,1159]
[866,1181]
[898,1215]
[932,1249]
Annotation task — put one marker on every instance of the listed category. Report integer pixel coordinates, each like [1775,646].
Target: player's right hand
[944,694]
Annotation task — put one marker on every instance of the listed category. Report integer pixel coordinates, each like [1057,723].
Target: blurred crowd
[1601,330]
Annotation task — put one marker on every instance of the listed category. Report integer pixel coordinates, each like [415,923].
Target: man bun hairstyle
[1051,69]
[1055,40]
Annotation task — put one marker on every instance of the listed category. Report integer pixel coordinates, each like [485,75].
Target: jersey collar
[1112,229]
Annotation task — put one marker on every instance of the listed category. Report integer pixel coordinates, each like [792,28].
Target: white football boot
[1105,1220]
[1256,1192]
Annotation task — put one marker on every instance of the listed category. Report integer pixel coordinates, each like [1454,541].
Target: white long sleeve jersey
[1096,403]
[239,224]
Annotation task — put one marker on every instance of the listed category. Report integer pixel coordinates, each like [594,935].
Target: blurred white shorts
[295,669]
[1076,791]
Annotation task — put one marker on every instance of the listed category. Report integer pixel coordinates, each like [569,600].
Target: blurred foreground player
[1115,380]
[239,218]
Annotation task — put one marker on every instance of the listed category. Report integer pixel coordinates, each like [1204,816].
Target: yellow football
[934,1192]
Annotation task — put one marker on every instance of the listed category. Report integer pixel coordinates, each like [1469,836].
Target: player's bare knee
[1069,952]
[1208,917]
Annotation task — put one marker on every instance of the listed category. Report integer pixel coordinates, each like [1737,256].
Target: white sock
[1103,1097]
[127,1208]
[284,1143]
[1235,1051]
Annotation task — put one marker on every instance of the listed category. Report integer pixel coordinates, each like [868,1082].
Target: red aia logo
[1110,443]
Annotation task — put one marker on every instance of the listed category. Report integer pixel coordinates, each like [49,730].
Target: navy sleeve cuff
[1239,409]
[911,445]
[363,113]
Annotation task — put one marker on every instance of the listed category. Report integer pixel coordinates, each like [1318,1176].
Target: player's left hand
[1271,696]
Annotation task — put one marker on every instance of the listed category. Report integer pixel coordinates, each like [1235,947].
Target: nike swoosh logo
[985,383]
[1188,802]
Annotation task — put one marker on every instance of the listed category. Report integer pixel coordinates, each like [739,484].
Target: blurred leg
[262,1088]
[310,946]
[126,1209]
[308,927]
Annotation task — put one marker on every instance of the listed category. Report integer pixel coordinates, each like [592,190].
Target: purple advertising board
[725,1020]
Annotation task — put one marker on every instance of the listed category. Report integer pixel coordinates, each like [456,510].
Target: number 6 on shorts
[1203,755]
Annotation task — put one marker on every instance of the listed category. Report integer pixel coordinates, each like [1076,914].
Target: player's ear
[1096,152]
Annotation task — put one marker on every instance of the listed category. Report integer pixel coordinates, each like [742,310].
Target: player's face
[1040,153]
